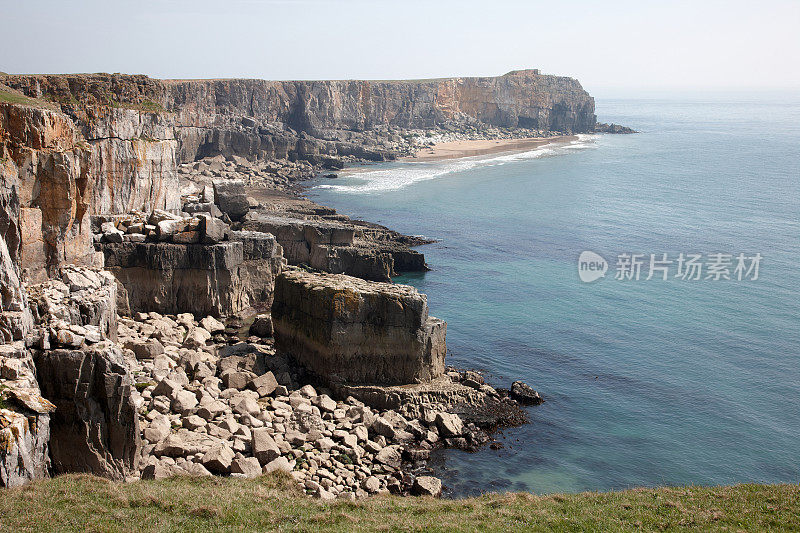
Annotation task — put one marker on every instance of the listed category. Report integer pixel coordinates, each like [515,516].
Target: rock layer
[345,329]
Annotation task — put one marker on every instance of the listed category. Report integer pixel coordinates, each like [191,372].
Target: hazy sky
[608,45]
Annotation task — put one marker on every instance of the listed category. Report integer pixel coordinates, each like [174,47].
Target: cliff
[102,171]
[278,119]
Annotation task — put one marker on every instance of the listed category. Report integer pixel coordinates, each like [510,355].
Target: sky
[610,46]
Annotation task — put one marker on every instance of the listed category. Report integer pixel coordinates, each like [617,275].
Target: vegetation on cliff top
[84,503]
[14,97]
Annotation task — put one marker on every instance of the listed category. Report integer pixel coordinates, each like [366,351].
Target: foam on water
[389,177]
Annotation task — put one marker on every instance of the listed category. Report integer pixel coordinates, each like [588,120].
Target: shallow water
[647,382]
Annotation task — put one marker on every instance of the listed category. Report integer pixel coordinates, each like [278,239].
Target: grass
[10,97]
[85,503]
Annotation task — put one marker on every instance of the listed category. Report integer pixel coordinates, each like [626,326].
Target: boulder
[145,349]
[183,402]
[390,456]
[246,466]
[281,464]
[218,459]
[264,384]
[213,230]
[427,486]
[262,326]
[345,329]
[524,394]
[212,325]
[196,338]
[450,425]
[264,447]
[231,198]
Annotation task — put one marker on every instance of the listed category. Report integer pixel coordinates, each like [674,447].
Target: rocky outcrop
[24,419]
[95,428]
[344,329]
[166,277]
[602,127]
[324,245]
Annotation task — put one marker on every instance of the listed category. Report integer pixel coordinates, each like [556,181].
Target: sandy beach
[456,149]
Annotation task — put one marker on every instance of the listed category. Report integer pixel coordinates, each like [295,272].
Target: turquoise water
[647,382]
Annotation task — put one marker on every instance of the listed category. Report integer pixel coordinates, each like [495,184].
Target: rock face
[24,419]
[95,427]
[348,330]
[327,246]
[262,261]
[177,278]
[124,161]
[215,279]
[261,119]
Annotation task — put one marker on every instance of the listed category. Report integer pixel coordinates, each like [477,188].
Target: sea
[670,355]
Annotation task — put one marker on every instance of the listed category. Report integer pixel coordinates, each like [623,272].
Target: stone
[157,471]
[184,402]
[212,325]
[68,339]
[218,459]
[280,464]
[326,403]
[196,338]
[264,384]
[247,406]
[264,447]
[166,387]
[236,380]
[196,470]
[231,198]
[186,237]
[450,425]
[145,349]
[346,329]
[295,438]
[390,456]
[524,394]
[381,426]
[361,433]
[247,466]
[262,327]
[166,229]
[193,422]
[213,230]
[427,486]
[372,484]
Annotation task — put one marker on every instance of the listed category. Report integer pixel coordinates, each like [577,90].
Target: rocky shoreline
[173,305]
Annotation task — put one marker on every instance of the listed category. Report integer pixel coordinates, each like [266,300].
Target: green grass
[10,97]
[84,503]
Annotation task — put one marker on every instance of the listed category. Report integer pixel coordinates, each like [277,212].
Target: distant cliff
[265,119]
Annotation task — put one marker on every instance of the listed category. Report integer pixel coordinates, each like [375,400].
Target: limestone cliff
[56,176]
[313,119]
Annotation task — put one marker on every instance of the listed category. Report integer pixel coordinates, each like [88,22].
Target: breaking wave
[400,175]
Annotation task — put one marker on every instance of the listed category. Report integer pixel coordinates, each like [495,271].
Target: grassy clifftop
[84,503]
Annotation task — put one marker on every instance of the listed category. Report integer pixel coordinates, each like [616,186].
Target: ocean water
[646,382]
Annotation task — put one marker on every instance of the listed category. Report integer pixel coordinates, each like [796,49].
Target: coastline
[470,148]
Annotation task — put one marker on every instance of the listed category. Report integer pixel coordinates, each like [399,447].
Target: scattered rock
[524,394]
[427,486]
